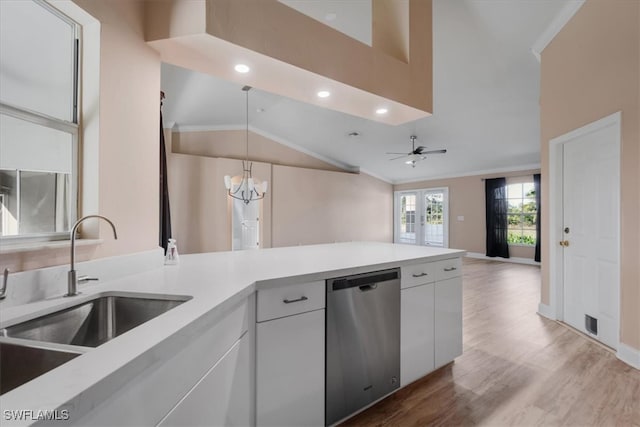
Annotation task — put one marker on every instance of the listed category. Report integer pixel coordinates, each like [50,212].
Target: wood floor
[517,368]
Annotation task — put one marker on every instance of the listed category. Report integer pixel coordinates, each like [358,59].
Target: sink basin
[20,364]
[93,322]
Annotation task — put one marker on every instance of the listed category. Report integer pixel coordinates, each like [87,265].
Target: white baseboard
[547,311]
[514,260]
[629,355]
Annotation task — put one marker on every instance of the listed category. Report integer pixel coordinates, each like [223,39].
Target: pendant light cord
[247,89]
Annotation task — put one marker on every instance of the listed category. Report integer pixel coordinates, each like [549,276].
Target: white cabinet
[221,397]
[416,332]
[290,370]
[448,320]
[161,378]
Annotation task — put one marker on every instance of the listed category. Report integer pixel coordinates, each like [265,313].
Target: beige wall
[127,160]
[466,198]
[200,208]
[309,192]
[589,71]
[231,144]
[314,206]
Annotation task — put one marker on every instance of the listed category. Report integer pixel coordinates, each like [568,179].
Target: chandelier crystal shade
[244,187]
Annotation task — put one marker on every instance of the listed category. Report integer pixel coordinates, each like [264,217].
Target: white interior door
[422,217]
[591,202]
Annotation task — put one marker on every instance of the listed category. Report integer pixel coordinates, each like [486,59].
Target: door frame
[556,199]
[420,194]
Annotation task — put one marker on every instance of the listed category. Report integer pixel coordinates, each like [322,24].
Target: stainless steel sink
[21,363]
[93,322]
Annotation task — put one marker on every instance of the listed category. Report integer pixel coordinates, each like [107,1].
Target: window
[38,121]
[421,217]
[522,214]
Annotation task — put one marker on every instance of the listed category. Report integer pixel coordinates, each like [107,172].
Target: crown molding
[557,24]
[217,128]
[472,173]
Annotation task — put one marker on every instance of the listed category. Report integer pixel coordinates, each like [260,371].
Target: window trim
[521,181]
[72,128]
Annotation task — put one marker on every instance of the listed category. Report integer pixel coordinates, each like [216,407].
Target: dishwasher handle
[363,281]
[365,288]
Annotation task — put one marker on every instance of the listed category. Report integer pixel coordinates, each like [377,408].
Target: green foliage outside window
[522,214]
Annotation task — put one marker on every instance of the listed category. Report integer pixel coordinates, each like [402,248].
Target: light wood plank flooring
[517,368]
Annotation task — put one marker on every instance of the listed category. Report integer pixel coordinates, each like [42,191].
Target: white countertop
[216,281]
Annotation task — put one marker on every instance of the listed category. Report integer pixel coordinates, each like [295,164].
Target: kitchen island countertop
[216,282]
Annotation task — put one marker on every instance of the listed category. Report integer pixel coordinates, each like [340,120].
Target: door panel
[422,217]
[591,213]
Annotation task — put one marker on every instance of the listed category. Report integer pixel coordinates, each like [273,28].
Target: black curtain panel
[497,208]
[165,213]
[536,184]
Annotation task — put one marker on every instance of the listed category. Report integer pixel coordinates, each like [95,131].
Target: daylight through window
[522,213]
[38,121]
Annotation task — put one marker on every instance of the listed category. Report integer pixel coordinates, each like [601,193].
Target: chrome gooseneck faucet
[72,278]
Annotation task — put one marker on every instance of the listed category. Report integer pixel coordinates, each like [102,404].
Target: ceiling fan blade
[434,152]
[419,149]
[396,158]
[400,153]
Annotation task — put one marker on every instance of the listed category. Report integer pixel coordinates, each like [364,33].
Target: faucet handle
[83,279]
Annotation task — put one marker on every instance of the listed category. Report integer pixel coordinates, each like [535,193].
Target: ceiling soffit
[293,55]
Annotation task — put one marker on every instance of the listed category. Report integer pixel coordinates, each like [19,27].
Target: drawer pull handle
[289,301]
[450,269]
[419,275]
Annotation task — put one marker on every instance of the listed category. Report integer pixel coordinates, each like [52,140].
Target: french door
[422,217]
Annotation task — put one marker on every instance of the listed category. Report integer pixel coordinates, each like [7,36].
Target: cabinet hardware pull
[450,269]
[419,275]
[289,301]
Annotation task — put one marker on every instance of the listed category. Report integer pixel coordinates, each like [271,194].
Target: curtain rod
[510,176]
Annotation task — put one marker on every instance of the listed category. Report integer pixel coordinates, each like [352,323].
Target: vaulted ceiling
[486,88]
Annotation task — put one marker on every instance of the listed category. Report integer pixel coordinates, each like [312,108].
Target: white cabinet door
[222,397]
[290,371]
[448,320]
[416,333]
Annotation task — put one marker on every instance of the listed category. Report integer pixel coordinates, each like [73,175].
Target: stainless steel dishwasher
[363,341]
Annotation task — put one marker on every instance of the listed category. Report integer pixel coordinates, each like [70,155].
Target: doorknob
[564,243]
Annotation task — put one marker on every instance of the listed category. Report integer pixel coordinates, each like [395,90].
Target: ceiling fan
[417,153]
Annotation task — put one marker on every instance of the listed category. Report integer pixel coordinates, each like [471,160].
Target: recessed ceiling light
[324,94]
[330,16]
[241,68]
[382,111]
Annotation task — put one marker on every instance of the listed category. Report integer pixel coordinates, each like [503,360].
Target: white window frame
[71,128]
[420,197]
[520,181]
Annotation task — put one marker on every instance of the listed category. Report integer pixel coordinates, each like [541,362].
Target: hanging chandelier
[244,187]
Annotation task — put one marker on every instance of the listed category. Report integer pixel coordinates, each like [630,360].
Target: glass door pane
[408,220]
[434,218]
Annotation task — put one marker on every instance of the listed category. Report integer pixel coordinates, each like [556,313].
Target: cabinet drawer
[448,268]
[416,274]
[291,299]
